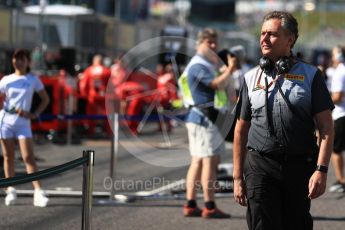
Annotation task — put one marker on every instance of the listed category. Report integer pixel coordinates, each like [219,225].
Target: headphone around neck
[283,65]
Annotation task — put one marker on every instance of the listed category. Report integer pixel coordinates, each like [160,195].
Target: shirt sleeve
[201,74]
[243,103]
[38,85]
[321,99]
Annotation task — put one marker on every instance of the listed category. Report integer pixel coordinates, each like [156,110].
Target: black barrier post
[87,189]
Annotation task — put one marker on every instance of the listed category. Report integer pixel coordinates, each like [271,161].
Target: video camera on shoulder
[235,51]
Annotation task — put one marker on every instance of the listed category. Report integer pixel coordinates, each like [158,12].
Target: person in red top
[118,72]
[166,91]
[95,79]
[93,85]
[130,93]
[166,86]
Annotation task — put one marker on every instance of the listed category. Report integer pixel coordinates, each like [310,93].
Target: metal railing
[87,161]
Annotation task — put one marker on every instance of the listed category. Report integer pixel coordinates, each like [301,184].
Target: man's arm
[239,154]
[317,182]
[337,97]
[220,81]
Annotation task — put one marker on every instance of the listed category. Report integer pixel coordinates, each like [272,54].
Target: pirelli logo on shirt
[294,77]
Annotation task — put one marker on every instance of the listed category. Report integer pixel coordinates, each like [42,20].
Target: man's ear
[291,40]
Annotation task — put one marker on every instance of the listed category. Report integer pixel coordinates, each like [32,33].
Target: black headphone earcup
[283,65]
[266,64]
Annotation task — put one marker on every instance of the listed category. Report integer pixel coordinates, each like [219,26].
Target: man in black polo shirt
[278,167]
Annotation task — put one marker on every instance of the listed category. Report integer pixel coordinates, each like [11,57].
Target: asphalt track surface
[158,212]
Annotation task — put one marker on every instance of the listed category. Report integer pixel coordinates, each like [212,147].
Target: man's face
[275,41]
[208,48]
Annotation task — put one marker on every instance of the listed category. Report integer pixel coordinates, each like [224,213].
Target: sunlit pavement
[154,213]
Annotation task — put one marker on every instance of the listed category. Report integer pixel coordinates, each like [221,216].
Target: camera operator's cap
[238,51]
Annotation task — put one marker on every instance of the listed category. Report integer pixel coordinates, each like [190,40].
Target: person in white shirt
[338,114]
[17,89]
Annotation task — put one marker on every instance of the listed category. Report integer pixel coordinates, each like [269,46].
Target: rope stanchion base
[117,199]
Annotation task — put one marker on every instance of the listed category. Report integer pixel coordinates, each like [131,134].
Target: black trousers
[277,192]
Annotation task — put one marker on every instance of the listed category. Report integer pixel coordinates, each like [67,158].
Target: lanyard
[269,124]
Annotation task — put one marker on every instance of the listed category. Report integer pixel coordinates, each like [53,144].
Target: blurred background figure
[237,76]
[129,93]
[36,58]
[241,68]
[330,71]
[118,71]
[95,79]
[15,121]
[92,87]
[160,69]
[203,93]
[338,114]
[166,91]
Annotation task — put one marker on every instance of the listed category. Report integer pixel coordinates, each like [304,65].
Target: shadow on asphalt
[64,205]
[340,196]
[324,218]
[138,205]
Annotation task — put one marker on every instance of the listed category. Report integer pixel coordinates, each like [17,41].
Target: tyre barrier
[87,160]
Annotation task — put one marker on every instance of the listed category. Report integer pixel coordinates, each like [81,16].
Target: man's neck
[205,57]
